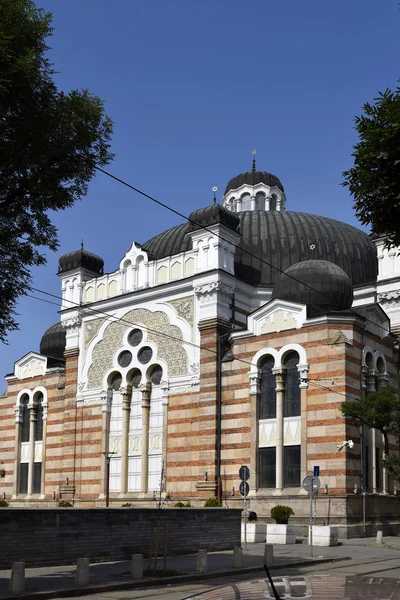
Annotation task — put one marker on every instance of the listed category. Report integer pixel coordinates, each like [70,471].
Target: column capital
[146,391]
[279,373]
[254,381]
[303,372]
[106,399]
[18,411]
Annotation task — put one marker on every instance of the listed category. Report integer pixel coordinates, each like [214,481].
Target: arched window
[39,418]
[272,202]
[260,201]
[115,436]
[292,404]
[25,419]
[246,202]
[267,403]
[23,466]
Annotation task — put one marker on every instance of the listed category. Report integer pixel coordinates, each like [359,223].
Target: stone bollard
[137,566]
[237,556]
[82,572]
[202,561]
[379,537]
[17,579]
[269,554]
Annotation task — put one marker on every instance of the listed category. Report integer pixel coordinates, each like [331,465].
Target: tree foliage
[50,145]
[380,410]
[374,180]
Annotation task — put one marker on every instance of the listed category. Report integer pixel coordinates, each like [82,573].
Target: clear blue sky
[193,87]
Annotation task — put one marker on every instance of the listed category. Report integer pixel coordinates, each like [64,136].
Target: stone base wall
[42,537]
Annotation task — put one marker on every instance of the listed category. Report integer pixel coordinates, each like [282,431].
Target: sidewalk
[49,582]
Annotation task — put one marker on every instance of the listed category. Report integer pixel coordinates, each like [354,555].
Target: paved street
[353,558]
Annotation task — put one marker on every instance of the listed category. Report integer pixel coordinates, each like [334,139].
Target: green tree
[380,410]
[50,145]
[374,180]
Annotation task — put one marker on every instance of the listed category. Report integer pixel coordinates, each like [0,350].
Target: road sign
[244,473]
[311,483]
[242,488]
[316,471]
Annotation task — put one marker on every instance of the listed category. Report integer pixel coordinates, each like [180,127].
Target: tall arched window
[24,451]
[115,432]
[292,408]
[260,201]
[272,202]
[155,429]
[292,384]
[37,465]
[267,404]
[246,202]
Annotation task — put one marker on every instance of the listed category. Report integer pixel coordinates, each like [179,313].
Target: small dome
[81,258]
[321,285]
[253,178]
[52,345]
[211,215]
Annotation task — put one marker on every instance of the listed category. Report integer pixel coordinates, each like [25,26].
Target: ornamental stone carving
[392,298]
[72,323]
[207,292]
[91,330]
[166,337]
[303,372]
[18,410]
[184,308]
[254,380]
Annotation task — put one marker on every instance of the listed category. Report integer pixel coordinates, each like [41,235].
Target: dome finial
[82,242]
[214,189]
[254,161]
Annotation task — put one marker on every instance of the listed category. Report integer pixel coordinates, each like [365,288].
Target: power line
[133,323]
[200,226]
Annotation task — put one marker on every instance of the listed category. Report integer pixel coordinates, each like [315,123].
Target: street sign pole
[244,474]
[315,507]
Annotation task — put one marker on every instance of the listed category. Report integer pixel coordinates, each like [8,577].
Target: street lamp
[108,456]
[348,444]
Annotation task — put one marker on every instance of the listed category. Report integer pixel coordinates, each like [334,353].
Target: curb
[159,581]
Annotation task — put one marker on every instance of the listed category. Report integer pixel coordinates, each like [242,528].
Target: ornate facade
[229,340]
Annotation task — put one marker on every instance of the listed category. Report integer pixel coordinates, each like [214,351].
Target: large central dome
[282,239]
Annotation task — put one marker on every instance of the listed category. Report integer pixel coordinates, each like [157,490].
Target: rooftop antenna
[254,161]
[214,189]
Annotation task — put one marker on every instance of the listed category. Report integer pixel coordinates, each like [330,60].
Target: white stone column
[106,401]
[18,410]
[252,203]
[303,372]
[45,406]
[371,439]
[383,381]
[254,391]
[164,404]
[146,391]
[280,395]
[126,415]
[32,427]
[267,198]
[238,205]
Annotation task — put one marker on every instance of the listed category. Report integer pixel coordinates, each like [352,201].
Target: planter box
[255,532]
[281,534]
[324,535]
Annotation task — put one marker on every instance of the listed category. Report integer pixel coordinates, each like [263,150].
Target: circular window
[125,358]
[145,355]
[135,337]
[115,381]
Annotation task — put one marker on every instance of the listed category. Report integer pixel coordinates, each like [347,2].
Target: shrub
[3,504]
[188,505]
[64,504]
[179,505]
[252,517]
[126,505]
[281,514]
[212,502]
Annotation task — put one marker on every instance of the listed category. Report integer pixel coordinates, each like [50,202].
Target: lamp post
[108,456]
